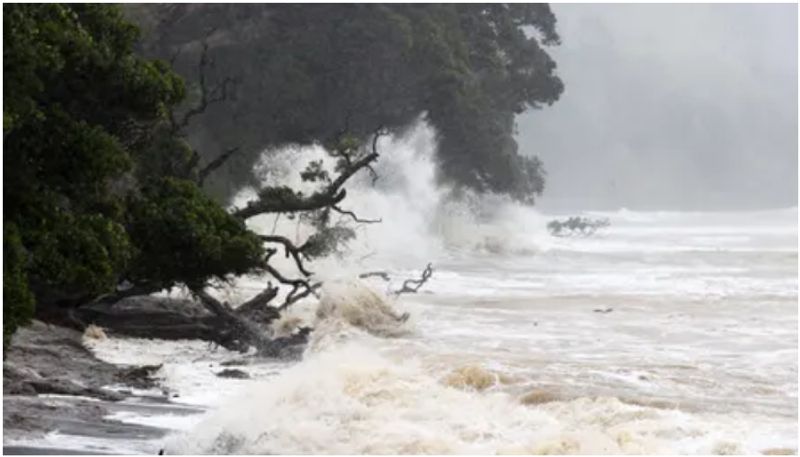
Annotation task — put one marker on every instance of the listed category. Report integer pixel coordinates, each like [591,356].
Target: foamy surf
[353,400]
[665,332]
[356,392]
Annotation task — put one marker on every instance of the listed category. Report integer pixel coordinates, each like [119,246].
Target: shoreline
[53,384]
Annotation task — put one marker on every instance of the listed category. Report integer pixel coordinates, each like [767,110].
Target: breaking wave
[371,380]
[351,399]
[420,218]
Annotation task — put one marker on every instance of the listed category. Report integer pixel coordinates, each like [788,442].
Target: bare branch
[292,299]
[371,274]
[374,174]
[297,284]
[284,280]
[351,170]
[208,97]
[353,215]
[407,284]
[331,195]
[214,164]
[343,155]
[290,249]
[379,132]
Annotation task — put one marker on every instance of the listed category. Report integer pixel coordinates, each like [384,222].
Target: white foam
[353,400]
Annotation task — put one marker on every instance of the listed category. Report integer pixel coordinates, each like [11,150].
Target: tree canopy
[301,73]
[106,149]
[86,207]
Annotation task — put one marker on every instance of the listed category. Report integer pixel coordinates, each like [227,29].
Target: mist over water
[671,332]
[670,106]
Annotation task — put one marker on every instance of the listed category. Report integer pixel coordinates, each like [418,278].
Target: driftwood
[410,286]
[239,333]
[413,285]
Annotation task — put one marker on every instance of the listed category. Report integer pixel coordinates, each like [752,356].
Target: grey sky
[676,106]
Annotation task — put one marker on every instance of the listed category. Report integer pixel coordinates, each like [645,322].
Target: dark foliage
[91,170]
[302,73]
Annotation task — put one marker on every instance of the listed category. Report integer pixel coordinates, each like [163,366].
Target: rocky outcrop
[45,358]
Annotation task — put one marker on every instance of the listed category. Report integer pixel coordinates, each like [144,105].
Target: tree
[18,302]
[103,196]
[303,73]
[83,118]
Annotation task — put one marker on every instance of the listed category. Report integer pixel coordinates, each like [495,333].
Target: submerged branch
[417,283]
[354,216]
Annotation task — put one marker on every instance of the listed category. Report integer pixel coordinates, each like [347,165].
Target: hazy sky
[676,106]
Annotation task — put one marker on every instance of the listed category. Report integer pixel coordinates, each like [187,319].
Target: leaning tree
[103,194]
[299,73]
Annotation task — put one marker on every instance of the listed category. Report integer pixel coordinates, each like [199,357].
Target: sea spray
[421,219]
[351,399]
[352,394]
[360,306]
[524,317]
[520,304]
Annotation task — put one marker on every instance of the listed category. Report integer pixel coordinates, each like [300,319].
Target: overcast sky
[676,106]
